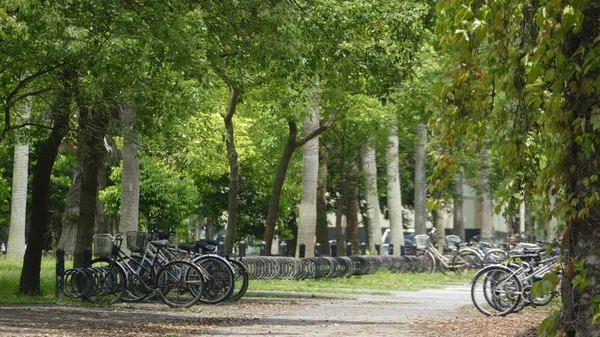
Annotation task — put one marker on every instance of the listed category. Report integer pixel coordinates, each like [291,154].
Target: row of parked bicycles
[180,275]
[509,276]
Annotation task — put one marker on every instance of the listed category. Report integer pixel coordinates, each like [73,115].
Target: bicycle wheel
[140,277]
[428,263]
[241,280]
[220,278]
[109,281]
[465,260]
[180,284]
[496,291]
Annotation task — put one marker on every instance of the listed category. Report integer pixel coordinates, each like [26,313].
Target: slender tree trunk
[394,196]
[232,155]
[369,163]
[341,210]
[322,225]
[92,125]
[70,217]
[487,231]
[353,209]
[18,210]
[552,225]
[579,300]
[30,274]
[440,226]
[275,197]
[420,181]
[102,223]
[310,169]
[130,179]
[459,220]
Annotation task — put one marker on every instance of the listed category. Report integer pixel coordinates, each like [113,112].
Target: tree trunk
[440,227]
[341,211]
[18,210]
[394,196]
[275,197]
[30,274]
[310,169]
[92,128]
[352,209]
[420,181]
[70,218]
[579,304]
[369,163]
[486,198]
[102,222]
[232,155]
[322,225]
[130,179]
[18,207]
[459,220]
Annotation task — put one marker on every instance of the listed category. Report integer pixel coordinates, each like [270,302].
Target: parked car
[385,239]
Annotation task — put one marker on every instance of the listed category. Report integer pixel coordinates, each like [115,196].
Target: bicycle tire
[496,291]
[220,279]
[465,260]
[241,282]
[136,289]
[180,284]
[109,281]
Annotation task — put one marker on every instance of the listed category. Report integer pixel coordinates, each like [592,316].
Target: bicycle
[498,290]
[179,283]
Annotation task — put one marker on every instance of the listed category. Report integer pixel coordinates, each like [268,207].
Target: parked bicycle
[117,275]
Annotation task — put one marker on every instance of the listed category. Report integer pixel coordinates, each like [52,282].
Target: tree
[310,173]
[394,196]
[16,237]
[369,169]
[535,87]
[420,182]
[130,179]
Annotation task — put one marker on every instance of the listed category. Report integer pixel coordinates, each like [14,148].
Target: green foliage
[550,325]
[166,196]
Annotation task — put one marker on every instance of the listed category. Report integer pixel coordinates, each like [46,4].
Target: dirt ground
[431,313]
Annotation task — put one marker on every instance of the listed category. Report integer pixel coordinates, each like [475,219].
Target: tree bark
[485,198]
[70,218]
[369,163]
[16,238]
[310,169]
[353,209]
[130,179]
[420,181]
[322,225]
[92,124]
[232,156]
[30,274]
[458,219]
[394,195]
[275,197]
[582,238]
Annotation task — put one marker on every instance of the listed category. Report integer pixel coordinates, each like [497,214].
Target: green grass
[10,274]
[380,283]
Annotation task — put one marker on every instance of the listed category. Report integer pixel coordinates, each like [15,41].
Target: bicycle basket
[138,241]
[422,241]
[103,244]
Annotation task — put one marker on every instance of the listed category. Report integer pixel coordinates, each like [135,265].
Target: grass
[380,283]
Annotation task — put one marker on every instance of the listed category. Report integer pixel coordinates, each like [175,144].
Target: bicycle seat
[160,243]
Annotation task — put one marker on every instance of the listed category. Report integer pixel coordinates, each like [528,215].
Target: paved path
[336,315]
